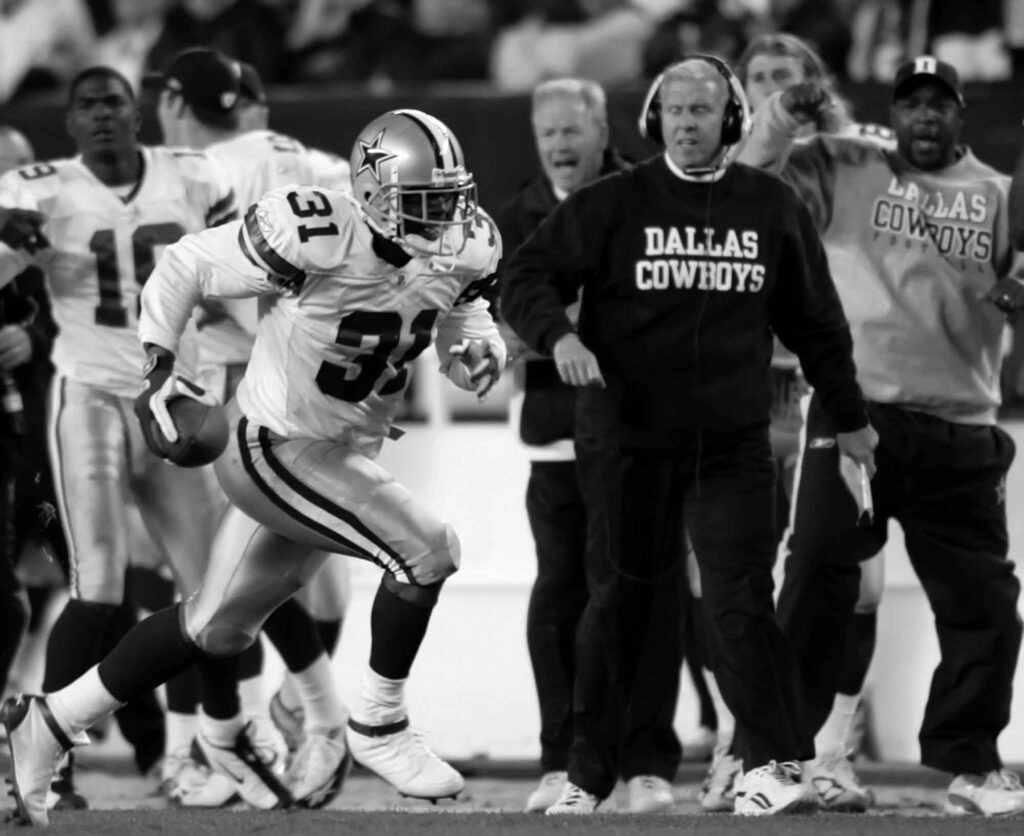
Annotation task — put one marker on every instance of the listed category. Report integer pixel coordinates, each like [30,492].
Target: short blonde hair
[590,93]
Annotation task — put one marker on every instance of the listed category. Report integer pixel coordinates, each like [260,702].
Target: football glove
[482,364]
[162,386]
[21,229]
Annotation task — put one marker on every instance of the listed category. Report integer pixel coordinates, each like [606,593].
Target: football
[202,432]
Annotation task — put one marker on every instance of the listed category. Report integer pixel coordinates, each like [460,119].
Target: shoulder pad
[296,229]
[483,245]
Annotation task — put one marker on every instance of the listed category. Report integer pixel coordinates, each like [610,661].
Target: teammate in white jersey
[351,288]
[109,212]
[256,160]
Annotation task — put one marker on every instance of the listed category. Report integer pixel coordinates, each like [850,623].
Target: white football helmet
[409,176]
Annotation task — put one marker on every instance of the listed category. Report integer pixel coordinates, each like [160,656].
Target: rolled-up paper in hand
[855,477]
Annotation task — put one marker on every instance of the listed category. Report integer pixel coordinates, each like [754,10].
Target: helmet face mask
[409,176]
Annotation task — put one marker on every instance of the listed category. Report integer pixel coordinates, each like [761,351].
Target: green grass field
[341,822]
[909,801]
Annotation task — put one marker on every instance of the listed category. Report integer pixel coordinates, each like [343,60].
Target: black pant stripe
[322,502]
[290,510]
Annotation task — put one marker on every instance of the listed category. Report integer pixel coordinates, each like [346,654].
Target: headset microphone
[735,120]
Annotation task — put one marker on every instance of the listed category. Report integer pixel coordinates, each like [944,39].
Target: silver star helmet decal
[373,156]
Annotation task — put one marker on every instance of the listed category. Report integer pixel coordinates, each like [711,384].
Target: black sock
[218,687]
[154,650]
[75,643]
[250,661]
[150,589]
[859,648]
[141,720]
[398,622]
[293,632]
[183,691]
[330,632]
[13,618]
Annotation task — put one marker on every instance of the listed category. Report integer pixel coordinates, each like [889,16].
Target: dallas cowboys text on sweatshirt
[683,283]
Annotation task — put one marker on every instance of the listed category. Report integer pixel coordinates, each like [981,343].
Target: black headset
[735,122]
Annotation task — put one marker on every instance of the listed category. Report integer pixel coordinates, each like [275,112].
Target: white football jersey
[338,324]
[257,162]
[103,249]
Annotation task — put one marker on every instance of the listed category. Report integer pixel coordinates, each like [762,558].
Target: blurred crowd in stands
[508,44]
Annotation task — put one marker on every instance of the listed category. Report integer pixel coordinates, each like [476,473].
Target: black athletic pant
[946,485]
[558,521]
[636,502]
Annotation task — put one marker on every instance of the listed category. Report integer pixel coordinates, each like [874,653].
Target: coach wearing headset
[687,264]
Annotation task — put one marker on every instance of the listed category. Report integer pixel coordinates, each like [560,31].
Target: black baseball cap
[925,67]
[208,81]
[251,85]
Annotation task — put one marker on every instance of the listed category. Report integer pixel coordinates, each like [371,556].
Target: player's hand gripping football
[482,363]
[21,229]
[1007,294]
[162,386]
[576,363]
[808,102]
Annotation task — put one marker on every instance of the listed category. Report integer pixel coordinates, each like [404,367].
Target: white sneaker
[319,769]
[402,759]
[998,793]
[718,795]
[574,801]
[547,793]
[37,744]
[772,789]
[836,784]
[187,783]
[649,794]
[251,769]
[290,722]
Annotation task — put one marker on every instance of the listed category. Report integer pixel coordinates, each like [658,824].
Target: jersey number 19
[104,245]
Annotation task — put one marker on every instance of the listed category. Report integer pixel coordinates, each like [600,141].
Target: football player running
[351,288]
[255,161]
[95,224]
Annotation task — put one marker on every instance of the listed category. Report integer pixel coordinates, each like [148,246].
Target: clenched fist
[21,229]
[808,102]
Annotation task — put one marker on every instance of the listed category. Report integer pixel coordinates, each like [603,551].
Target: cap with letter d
[926,68]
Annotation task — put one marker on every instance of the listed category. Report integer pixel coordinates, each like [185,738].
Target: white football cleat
[772,789]
[650,794]
[37,744]
[836,784]
[548,791]
[997,793]
[319,769]
[574,801]
[718,794]
[250,768]
[185,782]
[403,760]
